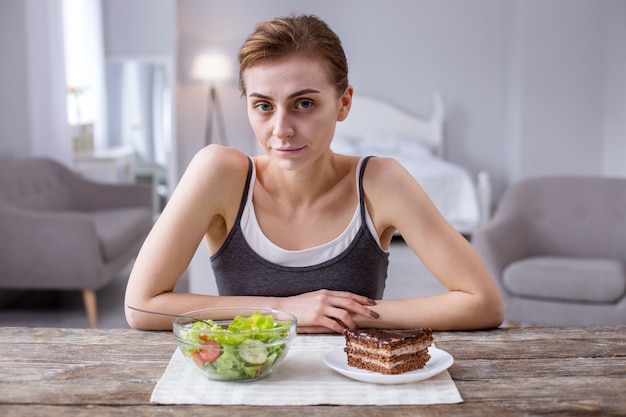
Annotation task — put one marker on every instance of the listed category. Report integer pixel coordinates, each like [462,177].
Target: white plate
[439,361]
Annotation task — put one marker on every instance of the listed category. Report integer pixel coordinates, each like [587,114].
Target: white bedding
[448,185]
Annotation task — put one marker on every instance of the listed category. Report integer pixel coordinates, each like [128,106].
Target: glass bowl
[235,344]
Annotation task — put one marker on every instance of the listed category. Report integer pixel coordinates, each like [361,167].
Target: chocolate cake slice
[388,352]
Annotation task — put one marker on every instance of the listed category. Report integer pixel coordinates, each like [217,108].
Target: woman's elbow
[134,320]
[493,312]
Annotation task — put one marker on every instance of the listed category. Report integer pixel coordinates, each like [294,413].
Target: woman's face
[293,108]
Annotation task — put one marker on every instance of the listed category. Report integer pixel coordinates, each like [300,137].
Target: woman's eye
[305,104]
[263,107]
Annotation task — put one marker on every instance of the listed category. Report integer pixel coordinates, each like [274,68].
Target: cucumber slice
[271,360]
[253,351]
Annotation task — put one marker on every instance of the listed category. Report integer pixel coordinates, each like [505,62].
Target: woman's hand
[326,311]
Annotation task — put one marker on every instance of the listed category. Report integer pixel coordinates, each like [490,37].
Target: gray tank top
[360,269]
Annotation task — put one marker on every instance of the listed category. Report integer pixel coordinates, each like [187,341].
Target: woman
[300,228]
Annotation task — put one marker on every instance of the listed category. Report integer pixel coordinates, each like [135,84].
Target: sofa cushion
[35,184]
[117,229]
[569,279]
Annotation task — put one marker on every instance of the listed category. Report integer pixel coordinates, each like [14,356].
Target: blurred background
[530,87]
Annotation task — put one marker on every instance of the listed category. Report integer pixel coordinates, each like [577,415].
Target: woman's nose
[283,127]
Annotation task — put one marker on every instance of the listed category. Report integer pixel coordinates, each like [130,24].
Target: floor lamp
[213,68]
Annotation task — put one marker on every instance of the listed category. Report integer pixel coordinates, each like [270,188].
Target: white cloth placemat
[302,379]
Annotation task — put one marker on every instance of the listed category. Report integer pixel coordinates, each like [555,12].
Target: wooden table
[524,371]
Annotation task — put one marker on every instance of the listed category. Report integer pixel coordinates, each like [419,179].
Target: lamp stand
[213,106]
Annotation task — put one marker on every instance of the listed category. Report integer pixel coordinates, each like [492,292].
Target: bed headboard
[370,115]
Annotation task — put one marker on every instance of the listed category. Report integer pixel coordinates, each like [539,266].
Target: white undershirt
[306,257]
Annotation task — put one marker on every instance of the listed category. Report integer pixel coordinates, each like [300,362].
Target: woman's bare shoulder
[395,199]
[219,159]
[383,172]
[215,177]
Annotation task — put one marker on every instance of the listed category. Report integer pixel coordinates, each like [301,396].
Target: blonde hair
[296,34]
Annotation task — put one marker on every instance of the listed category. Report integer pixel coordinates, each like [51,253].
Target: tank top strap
[246,191]
[364,216]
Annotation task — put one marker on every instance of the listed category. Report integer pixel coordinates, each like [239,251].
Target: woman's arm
[205,202]
[205,205]
[396,201]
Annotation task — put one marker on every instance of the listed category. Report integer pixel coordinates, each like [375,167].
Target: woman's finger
[354,307]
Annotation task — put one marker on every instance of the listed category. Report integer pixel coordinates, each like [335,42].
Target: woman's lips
[288,151]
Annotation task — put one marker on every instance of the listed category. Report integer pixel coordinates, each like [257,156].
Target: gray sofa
[557,248]
[60,231]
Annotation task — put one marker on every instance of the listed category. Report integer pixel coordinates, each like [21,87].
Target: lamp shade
[212,67]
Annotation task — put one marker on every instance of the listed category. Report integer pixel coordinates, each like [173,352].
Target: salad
[245,349]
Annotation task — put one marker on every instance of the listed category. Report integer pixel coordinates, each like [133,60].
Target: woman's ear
[345,103]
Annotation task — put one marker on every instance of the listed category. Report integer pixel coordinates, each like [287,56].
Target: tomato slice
[210,351]
[197,357]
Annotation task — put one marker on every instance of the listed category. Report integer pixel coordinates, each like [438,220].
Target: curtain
[84,66]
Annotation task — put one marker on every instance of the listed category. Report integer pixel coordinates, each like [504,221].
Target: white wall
[13,102]
[140,27]
[615,88]
[560,88]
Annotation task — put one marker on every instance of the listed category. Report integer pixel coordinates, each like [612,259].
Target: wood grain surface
[572,371]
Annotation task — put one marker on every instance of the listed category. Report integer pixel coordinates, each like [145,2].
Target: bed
[376,127]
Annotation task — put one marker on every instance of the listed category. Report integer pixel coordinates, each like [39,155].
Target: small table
[106,165]
[569,371]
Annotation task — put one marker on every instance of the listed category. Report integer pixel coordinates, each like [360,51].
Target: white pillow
[381,144]
[414,147]
[392,145]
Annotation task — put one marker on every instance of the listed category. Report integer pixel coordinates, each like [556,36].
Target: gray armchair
[60,231]
[557,249]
